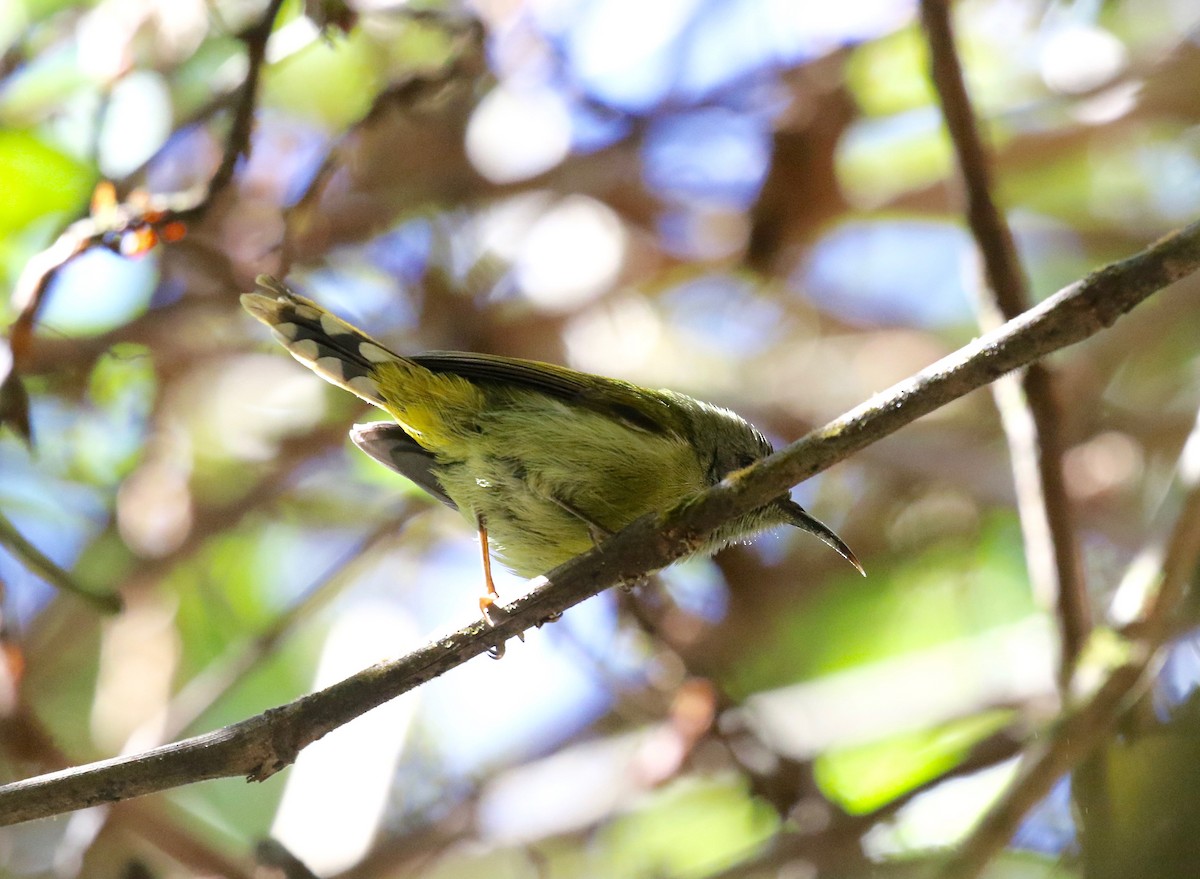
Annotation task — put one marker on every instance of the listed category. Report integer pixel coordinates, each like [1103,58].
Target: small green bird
[545,461]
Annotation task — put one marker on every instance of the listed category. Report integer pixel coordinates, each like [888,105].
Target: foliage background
[749,201]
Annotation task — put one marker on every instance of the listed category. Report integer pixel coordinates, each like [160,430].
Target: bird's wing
[637,407]
[388,444]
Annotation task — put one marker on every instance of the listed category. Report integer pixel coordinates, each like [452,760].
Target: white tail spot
[304,349]
[365,388]
[374,354]
[284,332]
[333,326]
[332,367]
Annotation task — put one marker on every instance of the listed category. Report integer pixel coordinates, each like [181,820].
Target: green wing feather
[344,355]
[638,407]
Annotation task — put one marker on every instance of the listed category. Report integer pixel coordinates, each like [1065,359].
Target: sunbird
[543,460]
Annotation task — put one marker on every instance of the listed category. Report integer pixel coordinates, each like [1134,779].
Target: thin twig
[260,746]
[1071,742]
[152,214]
[34,559]
[200,693]
[1182,549]
[1031,420]
[237,141]
[419,90]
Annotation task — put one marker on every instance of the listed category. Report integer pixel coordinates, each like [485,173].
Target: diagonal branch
[260,746]
[39,563]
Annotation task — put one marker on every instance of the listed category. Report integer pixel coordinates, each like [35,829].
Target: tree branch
[1084,730]
[43,566]
[1031,420]
[143,219]
[260,746]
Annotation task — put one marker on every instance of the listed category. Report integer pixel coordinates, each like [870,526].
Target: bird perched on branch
[544,461]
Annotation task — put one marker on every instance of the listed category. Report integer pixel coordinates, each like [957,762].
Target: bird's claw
[493,615]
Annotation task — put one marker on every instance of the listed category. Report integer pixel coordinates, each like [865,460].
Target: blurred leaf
[192,85]
[1151,378]
[60,682]
[105,560]
[877,162]
[946,592]
[109,441]
[1138,798]
[1053,185]
[223,596]
[1030,865]
[693,827]
[38,180]
[864,778]
[334,83]
[887,75]
[39,9]
[123,377]
[50,80]
[14,399]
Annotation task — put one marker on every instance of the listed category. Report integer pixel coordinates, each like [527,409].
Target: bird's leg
[487,602]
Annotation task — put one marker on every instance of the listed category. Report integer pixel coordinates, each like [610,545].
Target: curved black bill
[801,518]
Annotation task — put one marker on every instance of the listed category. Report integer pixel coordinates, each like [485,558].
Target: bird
[544,461]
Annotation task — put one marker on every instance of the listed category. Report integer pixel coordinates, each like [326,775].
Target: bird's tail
[326,344]
[436,410]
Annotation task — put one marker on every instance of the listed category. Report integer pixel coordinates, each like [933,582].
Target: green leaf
[331,81]
[38,180]
[865,777]
[690,828]
[952,590]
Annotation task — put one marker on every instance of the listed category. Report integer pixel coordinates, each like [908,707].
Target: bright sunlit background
[751,201]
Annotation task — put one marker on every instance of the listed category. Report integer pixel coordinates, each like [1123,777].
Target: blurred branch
[24,738]
[1086,728]
[177,833]
[274,856]
[1072,741]
[44,567]
[131,227]
[1177,563]
[54,631]
[211,519]
[414,851]
[237,141]
[837,846]
[200,693]
[406,150]
[260,746]
[1031,421]
[992,234]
